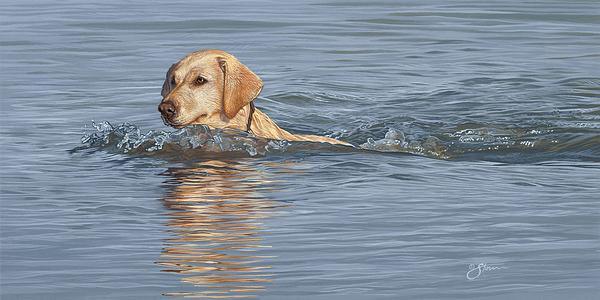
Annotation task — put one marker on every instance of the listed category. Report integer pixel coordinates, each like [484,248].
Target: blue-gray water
[491,112]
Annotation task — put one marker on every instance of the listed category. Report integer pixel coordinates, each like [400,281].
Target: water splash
[189,141]
[465,142]
[395,141]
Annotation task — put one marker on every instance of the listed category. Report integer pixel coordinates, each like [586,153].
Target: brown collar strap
[250,117]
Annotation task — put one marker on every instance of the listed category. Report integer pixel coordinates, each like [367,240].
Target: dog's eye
[173,82]
[200,80]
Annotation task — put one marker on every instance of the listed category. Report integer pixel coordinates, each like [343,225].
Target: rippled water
[476,128]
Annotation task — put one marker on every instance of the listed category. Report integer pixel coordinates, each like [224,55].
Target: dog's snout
[167,109]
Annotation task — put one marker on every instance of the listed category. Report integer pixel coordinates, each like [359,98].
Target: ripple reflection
[215,216]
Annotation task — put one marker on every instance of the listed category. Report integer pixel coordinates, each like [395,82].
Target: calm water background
[500,102]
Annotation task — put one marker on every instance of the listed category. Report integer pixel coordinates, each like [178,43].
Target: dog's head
[207,85]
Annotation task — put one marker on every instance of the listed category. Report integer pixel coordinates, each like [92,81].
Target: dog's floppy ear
[240,85]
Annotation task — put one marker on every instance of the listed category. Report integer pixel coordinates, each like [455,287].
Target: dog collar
[250,117]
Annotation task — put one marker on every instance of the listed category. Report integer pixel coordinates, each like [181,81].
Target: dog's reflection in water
[215,220]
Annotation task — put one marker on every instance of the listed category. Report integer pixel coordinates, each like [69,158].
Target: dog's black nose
[167,109]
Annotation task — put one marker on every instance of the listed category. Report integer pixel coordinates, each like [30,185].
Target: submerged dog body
[213,88]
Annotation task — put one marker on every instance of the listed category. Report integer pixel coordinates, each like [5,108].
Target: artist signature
[476,270]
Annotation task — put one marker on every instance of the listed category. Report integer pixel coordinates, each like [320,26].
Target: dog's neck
[261,125]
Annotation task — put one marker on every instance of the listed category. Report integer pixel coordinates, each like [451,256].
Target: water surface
[477,133]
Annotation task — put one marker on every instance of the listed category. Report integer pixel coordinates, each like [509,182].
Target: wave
[481,142]
[463,142]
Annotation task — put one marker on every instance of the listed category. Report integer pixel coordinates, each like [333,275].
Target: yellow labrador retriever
[213,88]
